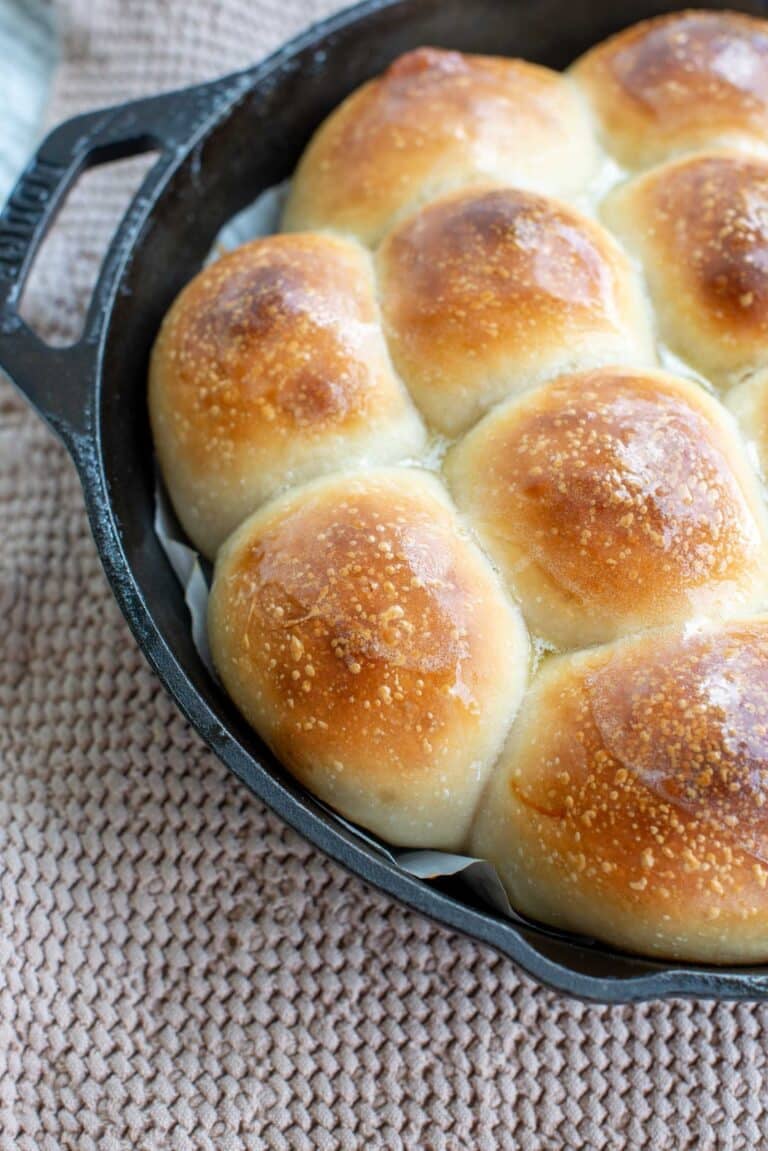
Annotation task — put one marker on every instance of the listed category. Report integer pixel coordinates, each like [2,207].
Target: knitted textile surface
[177,969]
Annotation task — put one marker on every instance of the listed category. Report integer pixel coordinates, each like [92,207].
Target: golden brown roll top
[679,82]
[271,369]
[438,120]
[370,643]
[700,227]
[485,293]
[613,501]
[631,801]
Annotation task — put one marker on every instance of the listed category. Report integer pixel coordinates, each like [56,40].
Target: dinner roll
[370,643]
[486,293]
[700,226]
[631,800]
[438,120]
[615,500]
[682,81]
[270,369]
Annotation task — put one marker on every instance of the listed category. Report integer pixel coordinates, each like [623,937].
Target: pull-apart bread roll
[485,293]
[271,369]
[433,278]
[435,121]
[680,82]
[371,644]
[615,500]
[700,227]
[631,800]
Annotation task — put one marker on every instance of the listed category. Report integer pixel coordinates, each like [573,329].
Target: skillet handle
[59,382]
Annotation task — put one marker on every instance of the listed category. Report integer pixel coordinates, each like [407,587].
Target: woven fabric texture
[177,969]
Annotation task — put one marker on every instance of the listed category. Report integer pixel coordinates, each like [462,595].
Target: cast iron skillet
[220,144]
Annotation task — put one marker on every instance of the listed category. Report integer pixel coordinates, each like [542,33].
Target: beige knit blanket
[177,969]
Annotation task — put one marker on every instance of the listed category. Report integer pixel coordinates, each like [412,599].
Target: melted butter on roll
[682,81]
[615,500]
[700,227]
[486,293]
[434,121]
[371,644]
[271,369]
[631,800]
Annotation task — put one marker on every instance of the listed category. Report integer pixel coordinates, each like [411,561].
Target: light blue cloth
[28,55]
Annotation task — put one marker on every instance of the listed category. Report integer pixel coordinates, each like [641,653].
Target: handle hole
[61,280]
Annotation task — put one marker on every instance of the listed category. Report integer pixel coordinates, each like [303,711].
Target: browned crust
[618,500]
[435,120]
[680,81]
[271,364]
[484,292]
[700,225]
[267,341]
[637,778]
[368,641]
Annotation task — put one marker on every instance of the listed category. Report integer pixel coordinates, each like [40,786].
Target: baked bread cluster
[477,451]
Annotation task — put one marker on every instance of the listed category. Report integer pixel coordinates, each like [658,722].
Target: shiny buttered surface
[365,635]
[613,501]
[488,292]
[271,369]
[437,121]
[677,83]
[699,226]
[631,800]
[485,430]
